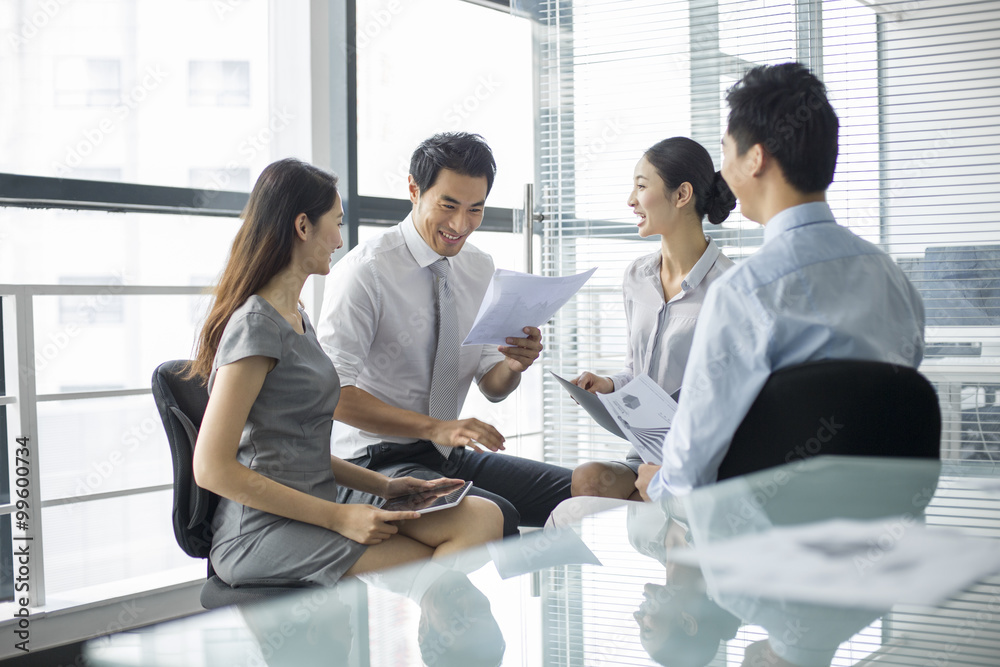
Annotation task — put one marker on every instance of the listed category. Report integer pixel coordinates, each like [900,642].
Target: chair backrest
[840,407]
[181,404]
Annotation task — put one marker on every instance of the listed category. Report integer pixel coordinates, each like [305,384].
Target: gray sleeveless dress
[286,438]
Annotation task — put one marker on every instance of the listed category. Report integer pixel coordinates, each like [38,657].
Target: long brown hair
[263,244]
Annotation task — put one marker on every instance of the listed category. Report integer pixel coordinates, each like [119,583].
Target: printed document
[641,411]
[846,562]
[516,300]
[593,405]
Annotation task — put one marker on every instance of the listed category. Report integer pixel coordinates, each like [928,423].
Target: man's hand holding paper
[520,353]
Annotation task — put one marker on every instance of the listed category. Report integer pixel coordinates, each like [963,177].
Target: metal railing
[26,506]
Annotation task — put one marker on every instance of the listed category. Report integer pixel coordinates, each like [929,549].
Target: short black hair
[462,152]
[681,160]
[784,108]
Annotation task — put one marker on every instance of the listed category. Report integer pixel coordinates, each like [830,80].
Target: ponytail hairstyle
[263,244]
[681,160]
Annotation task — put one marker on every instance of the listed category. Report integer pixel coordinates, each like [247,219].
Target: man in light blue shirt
[813,291]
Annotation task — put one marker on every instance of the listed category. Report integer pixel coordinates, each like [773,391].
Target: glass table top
[833,560]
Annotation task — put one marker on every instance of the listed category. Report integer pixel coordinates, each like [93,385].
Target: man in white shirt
[813,291]
[379,324]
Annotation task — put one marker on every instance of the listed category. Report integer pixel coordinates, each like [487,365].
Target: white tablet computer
[429,501]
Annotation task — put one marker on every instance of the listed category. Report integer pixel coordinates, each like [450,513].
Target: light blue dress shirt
[813,291]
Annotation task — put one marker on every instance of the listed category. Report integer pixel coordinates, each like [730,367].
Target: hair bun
[720,200]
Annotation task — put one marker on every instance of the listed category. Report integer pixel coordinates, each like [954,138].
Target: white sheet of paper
[644,412]
[516,300]
[847,563]
[540,549]
[593,405]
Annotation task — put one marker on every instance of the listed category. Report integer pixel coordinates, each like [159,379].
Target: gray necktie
[444,378]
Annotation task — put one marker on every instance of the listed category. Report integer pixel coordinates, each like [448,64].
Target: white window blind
[916,86]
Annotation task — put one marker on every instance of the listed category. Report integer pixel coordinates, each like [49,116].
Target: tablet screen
[429,501]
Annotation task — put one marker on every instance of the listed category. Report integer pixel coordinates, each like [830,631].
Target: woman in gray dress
[264,442]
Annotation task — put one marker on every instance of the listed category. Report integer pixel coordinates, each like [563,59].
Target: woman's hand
[405,486]
[595,384]
[367,524]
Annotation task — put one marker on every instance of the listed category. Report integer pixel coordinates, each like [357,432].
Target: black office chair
[181,404]
[839,407]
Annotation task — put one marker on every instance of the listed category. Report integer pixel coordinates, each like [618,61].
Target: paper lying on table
[849,563]
[641,412]
[516,300]
[538,550]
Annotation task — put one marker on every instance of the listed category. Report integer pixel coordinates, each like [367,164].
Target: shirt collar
[702,266]
[797,216]
[415,243]
[697,272]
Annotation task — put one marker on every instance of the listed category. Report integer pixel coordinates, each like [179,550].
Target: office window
[110,293]
[104,308]
[436,66]
[151,88]
[113,174]
[87,82]
[915,87]
[916,145]
[224,83]
[221,178]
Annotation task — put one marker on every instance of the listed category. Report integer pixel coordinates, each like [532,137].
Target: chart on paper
[641,412]
[516,300]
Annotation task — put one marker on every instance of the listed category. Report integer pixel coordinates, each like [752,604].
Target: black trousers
[526,491]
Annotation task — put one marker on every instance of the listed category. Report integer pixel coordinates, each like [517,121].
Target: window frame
[334,143]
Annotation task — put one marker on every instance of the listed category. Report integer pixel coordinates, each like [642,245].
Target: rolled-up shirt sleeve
[728,366]
[489,358]
[350,314]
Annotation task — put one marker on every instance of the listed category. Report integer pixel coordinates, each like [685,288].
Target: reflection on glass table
[835,560]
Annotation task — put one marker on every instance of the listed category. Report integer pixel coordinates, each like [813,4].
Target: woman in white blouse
[675,186]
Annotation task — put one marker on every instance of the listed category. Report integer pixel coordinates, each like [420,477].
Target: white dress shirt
[378,324]
[659,331]
[813,291]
